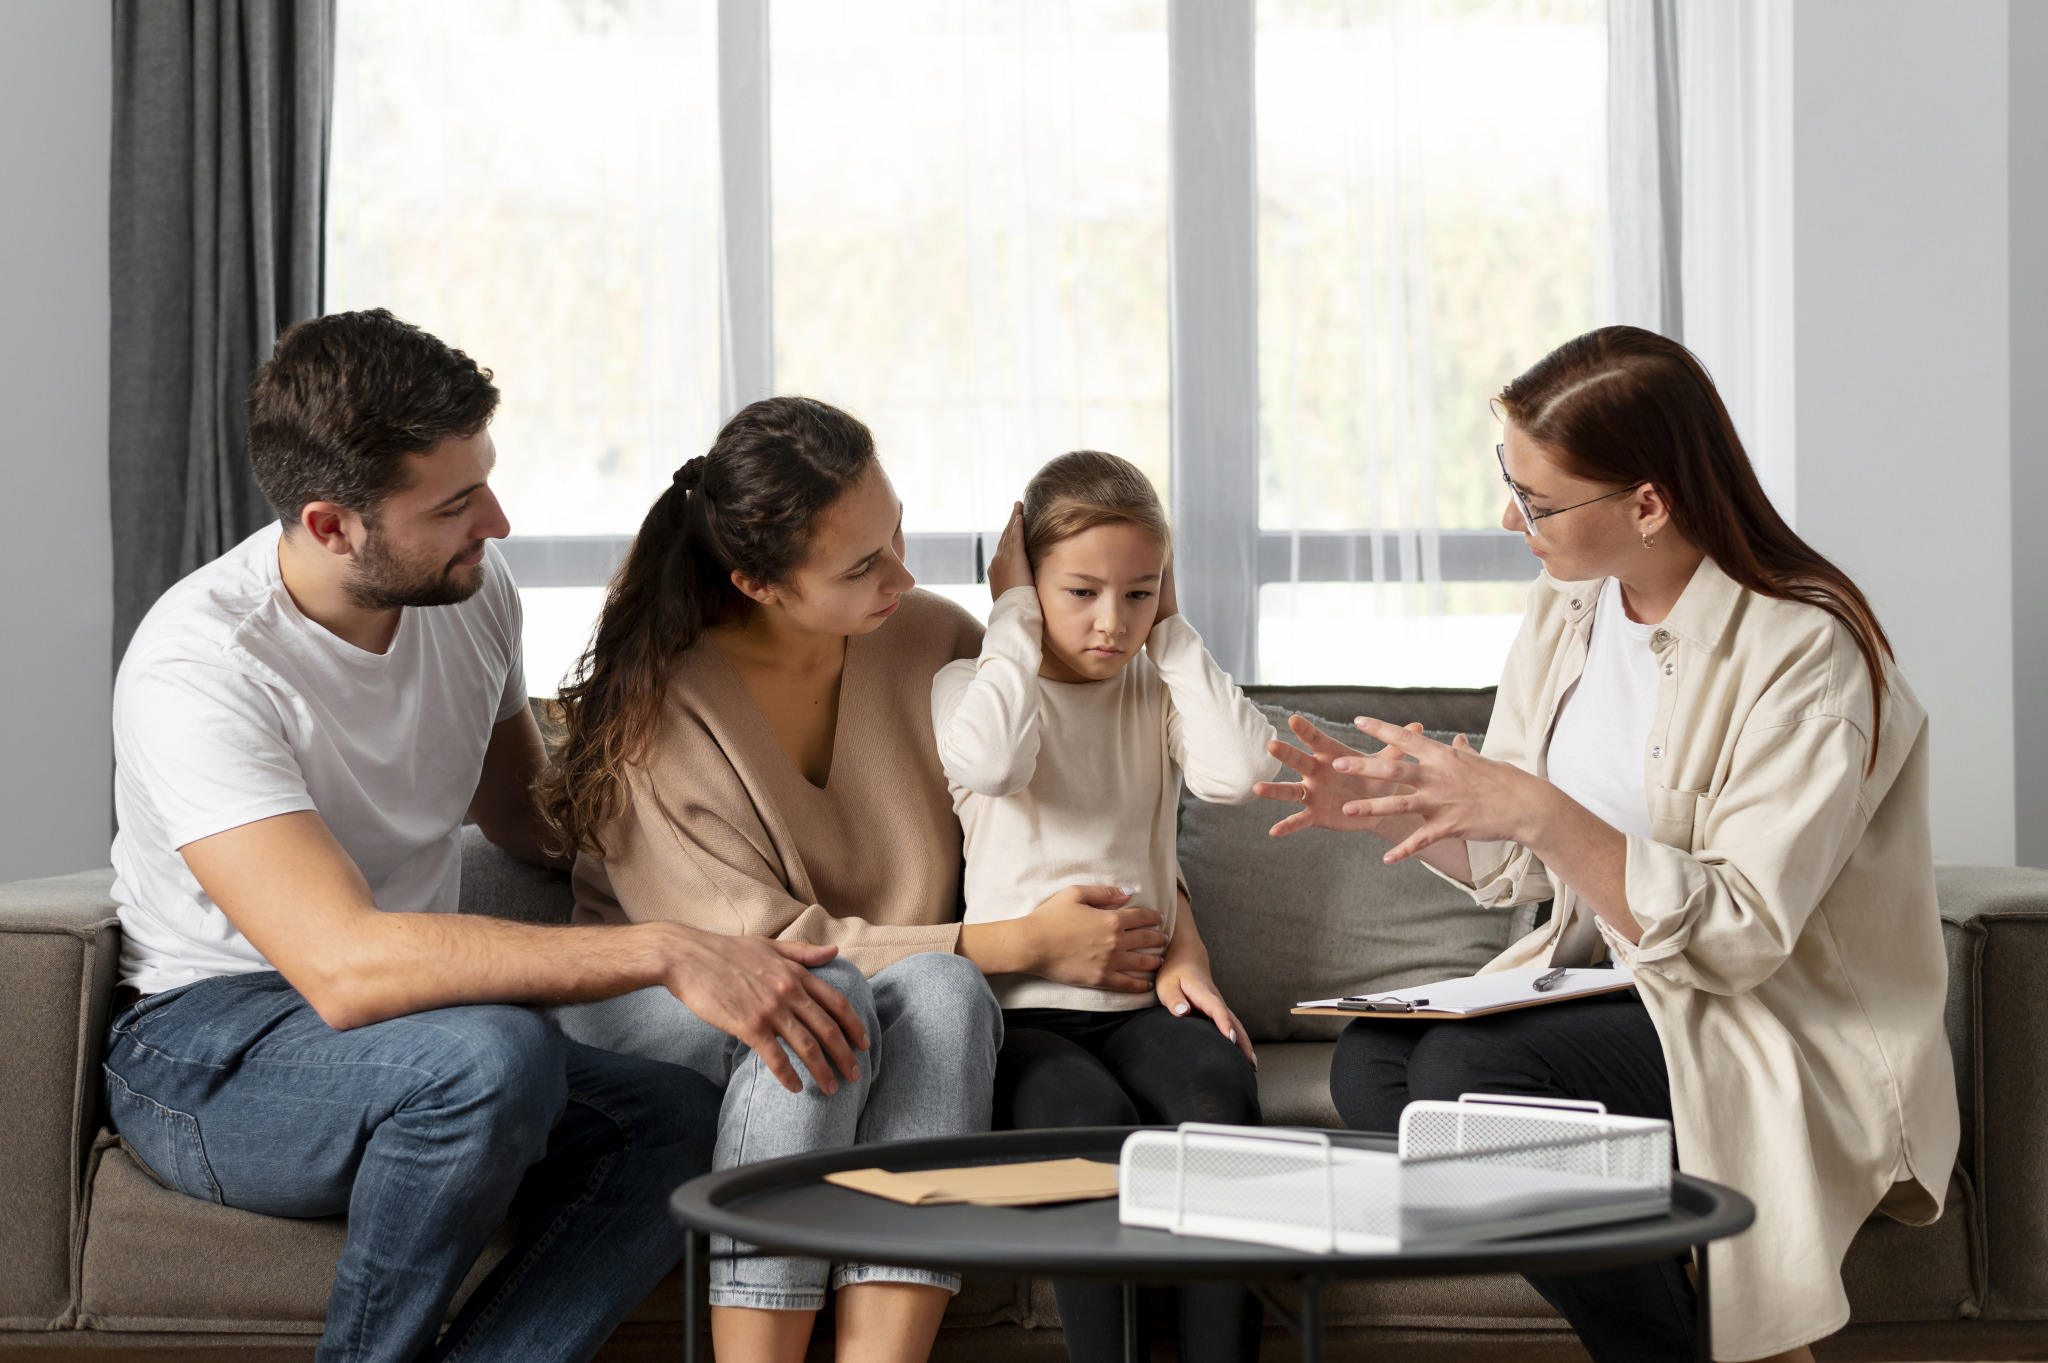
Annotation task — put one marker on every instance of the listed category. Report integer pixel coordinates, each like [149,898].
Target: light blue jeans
[934,1030]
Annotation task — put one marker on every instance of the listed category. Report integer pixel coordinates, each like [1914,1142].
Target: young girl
[1065,744]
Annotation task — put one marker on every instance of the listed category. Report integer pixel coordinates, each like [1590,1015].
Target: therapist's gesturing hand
[1327,787]
[1453,792]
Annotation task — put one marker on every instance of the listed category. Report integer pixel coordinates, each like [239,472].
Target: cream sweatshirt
[1060,784]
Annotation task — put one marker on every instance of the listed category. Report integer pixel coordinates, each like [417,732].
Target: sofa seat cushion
[1294,1084]
[1896,1272]
[155,1259]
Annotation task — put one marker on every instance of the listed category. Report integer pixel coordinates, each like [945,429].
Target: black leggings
[1604,1049]
[1066,1067]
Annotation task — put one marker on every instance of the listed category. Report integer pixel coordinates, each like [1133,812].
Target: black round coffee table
[784,1206]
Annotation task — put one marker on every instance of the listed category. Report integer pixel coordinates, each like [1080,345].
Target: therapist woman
[1703,754]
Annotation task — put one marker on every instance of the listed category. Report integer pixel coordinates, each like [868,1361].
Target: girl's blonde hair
[1086,488]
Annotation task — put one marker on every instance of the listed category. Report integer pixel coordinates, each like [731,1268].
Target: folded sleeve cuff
[1662,884]
[1016,631]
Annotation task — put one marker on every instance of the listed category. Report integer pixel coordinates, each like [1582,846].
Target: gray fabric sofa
[97,1257]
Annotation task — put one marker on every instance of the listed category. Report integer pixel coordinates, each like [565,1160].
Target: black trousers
[1604,1049]
[1067,1067]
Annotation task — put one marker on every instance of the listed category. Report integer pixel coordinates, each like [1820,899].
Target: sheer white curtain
[1734,97]
[1699,196]
[970,238]
[1433,199]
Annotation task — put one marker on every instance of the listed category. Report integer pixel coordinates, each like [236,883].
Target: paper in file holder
[1481,1168]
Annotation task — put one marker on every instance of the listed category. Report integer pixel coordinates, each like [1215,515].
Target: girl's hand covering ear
[1169,603]
[1011,567]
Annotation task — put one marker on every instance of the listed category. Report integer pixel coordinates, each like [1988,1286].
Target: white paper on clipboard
[1491,993]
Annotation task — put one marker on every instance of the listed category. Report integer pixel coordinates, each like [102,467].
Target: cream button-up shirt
[1791,954]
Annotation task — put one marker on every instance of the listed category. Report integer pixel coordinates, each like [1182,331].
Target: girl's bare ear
[755,591]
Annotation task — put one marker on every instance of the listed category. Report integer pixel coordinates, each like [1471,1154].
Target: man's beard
[382,580]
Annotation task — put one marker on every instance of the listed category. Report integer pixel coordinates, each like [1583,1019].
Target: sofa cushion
[59,947]
[155,1259]
[1452,709]
[496,883]
[1319,914]
[1294,1084]
[1896,1272]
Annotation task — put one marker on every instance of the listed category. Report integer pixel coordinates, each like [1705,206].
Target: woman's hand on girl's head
[1011,567]
[1327,792]
[1450,790]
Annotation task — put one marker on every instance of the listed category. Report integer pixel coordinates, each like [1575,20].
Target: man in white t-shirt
[305,1026]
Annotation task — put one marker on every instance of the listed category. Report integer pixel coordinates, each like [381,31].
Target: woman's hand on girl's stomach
[1446,791]
[1185,987]
[1011,566]
[1092,935]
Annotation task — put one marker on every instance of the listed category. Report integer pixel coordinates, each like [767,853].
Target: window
[970,236]
[1432,200]
[968,210]
[536,181]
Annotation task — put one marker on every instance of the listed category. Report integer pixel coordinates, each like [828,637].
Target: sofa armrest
[60,947]
[1996,922]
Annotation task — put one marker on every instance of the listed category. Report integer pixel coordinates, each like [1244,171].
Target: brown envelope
[988,1185]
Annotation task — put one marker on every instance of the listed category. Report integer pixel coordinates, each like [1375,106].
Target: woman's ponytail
[746,506]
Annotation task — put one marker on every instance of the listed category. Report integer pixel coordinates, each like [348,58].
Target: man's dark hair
[345,398]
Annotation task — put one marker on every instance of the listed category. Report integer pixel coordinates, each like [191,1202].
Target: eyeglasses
[1529,515]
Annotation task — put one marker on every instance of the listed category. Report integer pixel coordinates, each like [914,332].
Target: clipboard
[1475,996]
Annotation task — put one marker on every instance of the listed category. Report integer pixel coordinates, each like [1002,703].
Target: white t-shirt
[231,706]
[1598,748]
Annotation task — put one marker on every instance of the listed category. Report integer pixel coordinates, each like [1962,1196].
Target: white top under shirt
[1598,747]
[231,706]
[1060,784]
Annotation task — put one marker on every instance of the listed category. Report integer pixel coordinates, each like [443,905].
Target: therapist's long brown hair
[1624,405]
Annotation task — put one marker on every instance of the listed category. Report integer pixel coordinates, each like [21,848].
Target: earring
[1649,540]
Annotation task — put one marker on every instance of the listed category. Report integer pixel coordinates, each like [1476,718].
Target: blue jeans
[934,1030]
[428,1131]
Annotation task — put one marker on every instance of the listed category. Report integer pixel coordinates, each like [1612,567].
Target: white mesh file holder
[1466,1171]
[1295,1189]
[1484,1168]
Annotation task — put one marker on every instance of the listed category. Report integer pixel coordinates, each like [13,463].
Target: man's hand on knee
[762,991]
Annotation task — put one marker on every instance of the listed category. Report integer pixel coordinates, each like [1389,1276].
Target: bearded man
[305,1027]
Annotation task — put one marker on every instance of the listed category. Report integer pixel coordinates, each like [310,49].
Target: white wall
[1904,428]
[56,575]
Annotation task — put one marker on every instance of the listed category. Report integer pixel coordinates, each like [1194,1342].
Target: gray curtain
[221,115]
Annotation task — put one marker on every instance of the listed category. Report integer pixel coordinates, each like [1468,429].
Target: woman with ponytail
[748,749]
[1704,757]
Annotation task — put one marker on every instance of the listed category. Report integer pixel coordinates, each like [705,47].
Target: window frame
[1212,291]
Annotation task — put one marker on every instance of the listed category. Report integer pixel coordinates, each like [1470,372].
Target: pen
[1544,983]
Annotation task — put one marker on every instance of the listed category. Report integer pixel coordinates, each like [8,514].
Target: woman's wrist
[1008,947]
[1541,815]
